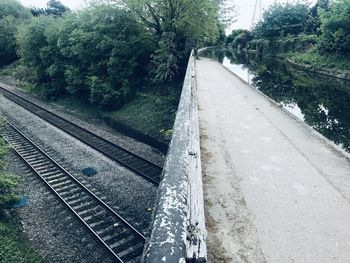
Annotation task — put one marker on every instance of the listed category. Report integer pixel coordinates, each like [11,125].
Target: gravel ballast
[96,126]
[129,194]
[49,226]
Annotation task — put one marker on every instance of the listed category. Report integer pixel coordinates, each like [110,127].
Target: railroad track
[121,239]
[145,168]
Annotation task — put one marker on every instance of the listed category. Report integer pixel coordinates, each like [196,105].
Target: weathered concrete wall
[178,233]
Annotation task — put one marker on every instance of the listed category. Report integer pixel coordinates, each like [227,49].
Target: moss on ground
[13,247]
[149,112]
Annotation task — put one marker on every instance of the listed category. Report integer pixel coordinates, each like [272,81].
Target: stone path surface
[275,190]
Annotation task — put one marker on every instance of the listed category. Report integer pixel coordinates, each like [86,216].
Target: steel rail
[84,189]
[143,167]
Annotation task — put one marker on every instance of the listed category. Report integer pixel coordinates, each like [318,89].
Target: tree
[99,54]
[239,38]
[313,22]
[54,8]
[281,20]
[33,46]
[335,30]
[12,13]
[14,9]
[178,26]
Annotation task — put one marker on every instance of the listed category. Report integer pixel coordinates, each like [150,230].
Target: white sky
[72,4]
[244,8]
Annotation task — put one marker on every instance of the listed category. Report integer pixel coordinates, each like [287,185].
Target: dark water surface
[321,102]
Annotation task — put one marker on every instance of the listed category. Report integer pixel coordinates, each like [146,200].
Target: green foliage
[7,39]
[38,50]
[13,249]
[14,9]
[7,196]
[313,22]
[12,13]
[322,61]
[158,114]
[335,30]
[178,26]
[282,45]
[7,182]
[165,59]
[99,54]
[239,38]
[54,8]
[281,20]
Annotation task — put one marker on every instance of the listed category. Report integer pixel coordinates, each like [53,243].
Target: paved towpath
[275,191]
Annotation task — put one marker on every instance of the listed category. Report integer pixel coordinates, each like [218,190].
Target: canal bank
[275,191]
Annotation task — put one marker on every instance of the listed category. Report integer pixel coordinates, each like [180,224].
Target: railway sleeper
[42,170]
[127,158]
[71,200]
[23,150]
[65,182]
[53,175]
[117,236]
[33,152]
[64,192]
[132,252]
[57,180]
[96,219]
[110,229]
[39,162]
[88,212]
[96,225]
[35,157]
[125,244]
[83,206]
[116,242]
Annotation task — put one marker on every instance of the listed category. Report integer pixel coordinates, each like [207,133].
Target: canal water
[321,102]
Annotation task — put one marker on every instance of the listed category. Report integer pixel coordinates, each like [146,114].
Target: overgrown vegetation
[97,55]
[7,182]
[318,35]
[111,52]
[12,13]
[328,61]
[13,247]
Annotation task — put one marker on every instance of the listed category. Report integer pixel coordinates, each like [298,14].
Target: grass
[318,61]
[13,247]
[149,112]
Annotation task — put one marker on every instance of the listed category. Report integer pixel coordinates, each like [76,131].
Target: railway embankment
[123,190]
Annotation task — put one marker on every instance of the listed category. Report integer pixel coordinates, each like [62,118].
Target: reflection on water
[321,102]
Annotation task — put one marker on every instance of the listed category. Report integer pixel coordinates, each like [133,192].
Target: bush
[96,55]
[7,182]
[335,30]
[281,20]
[12,13]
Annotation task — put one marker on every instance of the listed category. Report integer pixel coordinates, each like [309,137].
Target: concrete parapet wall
[178,233]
